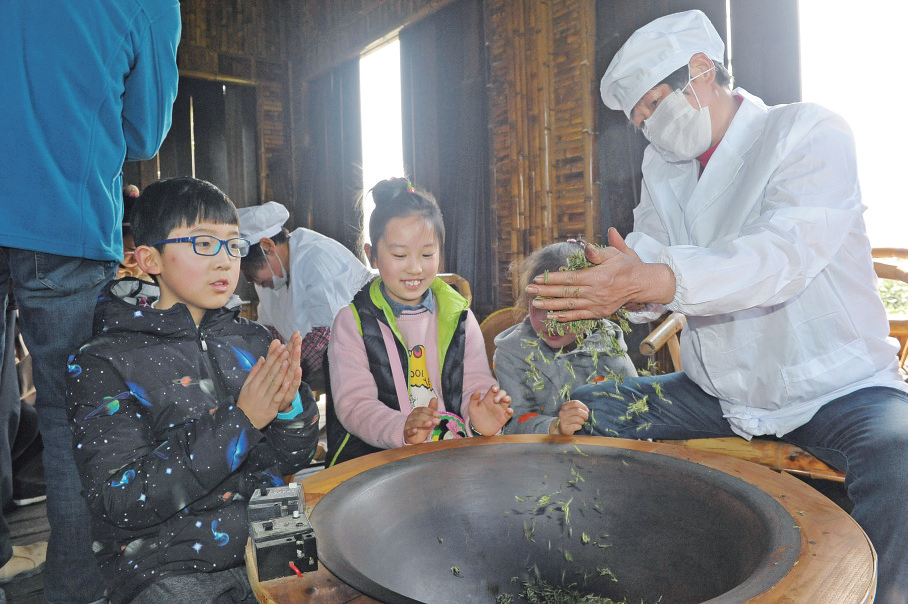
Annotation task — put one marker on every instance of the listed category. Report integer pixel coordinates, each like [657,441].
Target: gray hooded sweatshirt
[539,379]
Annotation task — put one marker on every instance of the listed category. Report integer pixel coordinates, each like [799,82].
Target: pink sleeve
[354,390]
[476,372]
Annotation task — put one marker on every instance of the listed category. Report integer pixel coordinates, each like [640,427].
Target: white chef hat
[653,52]
[261,221]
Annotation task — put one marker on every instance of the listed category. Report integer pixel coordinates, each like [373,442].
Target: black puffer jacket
[166,459]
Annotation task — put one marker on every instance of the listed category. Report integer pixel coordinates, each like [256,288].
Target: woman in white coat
[750,223]
[302,279]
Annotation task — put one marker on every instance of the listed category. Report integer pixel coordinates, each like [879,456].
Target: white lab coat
[324,276]
[773,266]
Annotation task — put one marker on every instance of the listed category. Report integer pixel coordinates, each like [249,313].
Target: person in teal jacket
[86,86]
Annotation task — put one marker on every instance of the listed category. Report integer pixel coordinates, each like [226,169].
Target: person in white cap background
[302,280]
[750,224]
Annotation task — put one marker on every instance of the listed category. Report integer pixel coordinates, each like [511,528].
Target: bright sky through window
[852,58]
[379,81]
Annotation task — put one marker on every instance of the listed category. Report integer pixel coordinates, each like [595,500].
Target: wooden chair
[497,322]
[666,334]
[898,324]
[459,283]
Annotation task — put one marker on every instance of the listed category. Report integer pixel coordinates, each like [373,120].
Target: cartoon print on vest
[421,392]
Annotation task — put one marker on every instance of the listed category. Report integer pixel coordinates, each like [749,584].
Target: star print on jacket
[112,403]
[167,459]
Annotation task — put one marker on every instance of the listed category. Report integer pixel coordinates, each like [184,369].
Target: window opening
[849,64]
[382,128]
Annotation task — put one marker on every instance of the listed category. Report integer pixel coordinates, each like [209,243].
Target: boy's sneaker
[27,492]
[27,560]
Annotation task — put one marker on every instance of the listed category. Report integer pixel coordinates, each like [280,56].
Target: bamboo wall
[245,41]
[542,91]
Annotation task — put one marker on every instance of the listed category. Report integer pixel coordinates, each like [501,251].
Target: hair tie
[410,187]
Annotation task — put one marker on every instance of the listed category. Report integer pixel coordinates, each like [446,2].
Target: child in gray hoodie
[540,368]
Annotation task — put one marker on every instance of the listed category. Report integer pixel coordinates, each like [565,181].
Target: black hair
[679,78]
[256,257]
[549,258]
[397,198]
[168,204]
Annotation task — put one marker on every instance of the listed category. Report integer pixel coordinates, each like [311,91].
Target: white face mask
[278,282]
[678,131]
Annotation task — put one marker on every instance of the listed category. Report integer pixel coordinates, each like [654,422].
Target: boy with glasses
[180,409]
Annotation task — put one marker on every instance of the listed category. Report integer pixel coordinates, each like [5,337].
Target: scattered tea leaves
[537,591]
[529,530]
[605,572]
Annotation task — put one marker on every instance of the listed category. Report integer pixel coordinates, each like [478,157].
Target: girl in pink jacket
[407,360]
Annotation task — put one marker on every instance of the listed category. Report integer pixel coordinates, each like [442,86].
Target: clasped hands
[273,382]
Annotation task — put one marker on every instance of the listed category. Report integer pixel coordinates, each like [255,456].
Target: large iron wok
[470,524]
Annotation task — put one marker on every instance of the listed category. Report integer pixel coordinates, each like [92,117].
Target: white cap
[266,220]
[653,52]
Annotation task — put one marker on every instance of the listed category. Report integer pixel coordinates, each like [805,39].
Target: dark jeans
[56,296]
[864,434]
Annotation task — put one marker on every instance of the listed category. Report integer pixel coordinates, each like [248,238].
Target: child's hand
[570,418]
[420,423]
[272,383]
[295,348]
[490,412]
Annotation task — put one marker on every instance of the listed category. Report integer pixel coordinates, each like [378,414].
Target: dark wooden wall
[325,38]
[244,42]
[339,30]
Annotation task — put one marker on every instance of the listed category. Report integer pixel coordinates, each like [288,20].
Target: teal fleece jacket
[87,84]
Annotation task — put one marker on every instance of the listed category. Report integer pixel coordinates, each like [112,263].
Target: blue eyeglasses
[209,245]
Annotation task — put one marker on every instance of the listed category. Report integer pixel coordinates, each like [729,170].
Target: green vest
[371,309]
